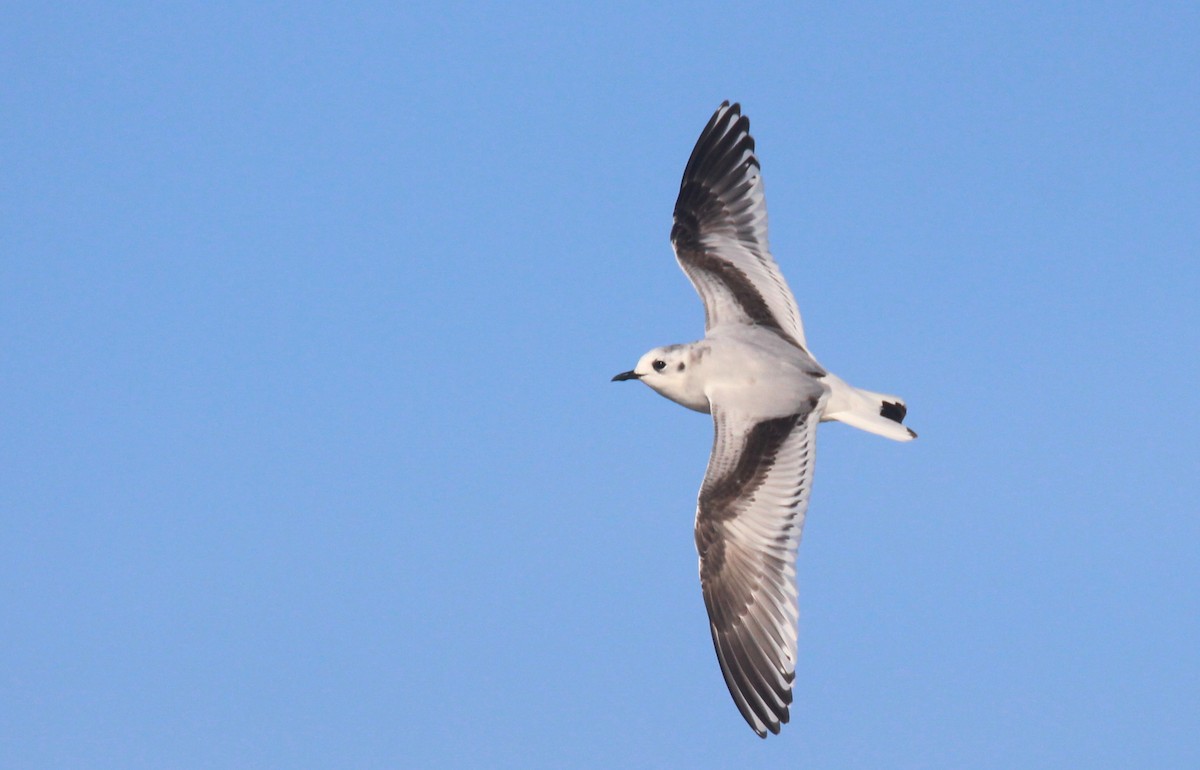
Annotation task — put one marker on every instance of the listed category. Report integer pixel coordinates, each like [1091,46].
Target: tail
[876,413]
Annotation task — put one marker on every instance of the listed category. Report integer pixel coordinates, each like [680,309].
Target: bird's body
[766,392]
[736,363]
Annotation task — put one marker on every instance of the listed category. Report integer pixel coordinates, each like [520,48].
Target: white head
[671,372]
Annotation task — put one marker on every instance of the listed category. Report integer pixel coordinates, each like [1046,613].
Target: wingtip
[772,728]
[729,107]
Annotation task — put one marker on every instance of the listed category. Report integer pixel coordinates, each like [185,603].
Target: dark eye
[659,365]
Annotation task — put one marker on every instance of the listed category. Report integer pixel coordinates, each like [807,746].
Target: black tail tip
[893,410]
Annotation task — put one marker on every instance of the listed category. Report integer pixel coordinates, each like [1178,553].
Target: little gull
[766,392]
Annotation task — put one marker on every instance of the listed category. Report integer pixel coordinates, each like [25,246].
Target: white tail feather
[877,413]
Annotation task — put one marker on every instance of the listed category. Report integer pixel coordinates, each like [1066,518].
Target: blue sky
[308,451]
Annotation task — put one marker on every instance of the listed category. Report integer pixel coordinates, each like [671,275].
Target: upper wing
[748,524]
[720,231]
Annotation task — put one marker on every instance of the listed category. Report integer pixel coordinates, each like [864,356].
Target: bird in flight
[754,374]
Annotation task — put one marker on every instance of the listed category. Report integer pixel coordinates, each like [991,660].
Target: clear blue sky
[308,451]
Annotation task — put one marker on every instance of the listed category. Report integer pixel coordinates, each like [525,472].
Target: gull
[754,374]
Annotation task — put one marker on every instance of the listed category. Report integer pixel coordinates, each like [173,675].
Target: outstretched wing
[748,525]
[720,232]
